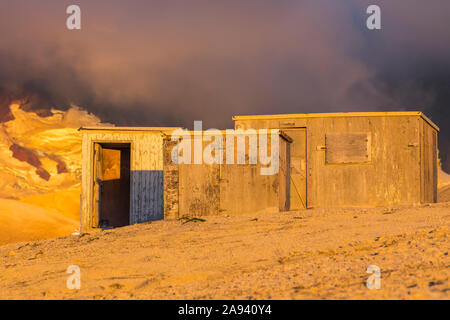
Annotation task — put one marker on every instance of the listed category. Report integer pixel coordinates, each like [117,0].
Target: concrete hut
[122,176]
[361,159]
[134,174]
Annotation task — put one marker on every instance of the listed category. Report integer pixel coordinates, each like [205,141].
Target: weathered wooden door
[298,158]
[97,185]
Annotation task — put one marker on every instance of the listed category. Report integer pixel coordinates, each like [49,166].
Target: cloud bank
[171,62]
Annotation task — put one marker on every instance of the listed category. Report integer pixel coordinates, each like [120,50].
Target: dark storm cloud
[170,62]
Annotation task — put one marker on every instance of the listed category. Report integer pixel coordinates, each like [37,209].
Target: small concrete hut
[361,159]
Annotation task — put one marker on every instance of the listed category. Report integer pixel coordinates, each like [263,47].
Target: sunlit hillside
[41,154]
[40,171]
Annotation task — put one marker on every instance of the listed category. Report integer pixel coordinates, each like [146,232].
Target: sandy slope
[66,203]
[311,254]
[444,194]
[443,178]
[443,186]
[24,222]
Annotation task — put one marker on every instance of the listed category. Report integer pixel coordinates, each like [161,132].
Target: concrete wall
[194,190]
[390,175]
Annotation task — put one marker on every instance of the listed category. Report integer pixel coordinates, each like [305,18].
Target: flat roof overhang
[128,128]
[336,115]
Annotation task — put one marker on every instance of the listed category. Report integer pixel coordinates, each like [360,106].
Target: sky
[172,62]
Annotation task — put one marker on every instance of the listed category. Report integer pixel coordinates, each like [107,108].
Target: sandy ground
[311,254]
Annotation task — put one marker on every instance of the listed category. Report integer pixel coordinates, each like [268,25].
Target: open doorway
[111,185]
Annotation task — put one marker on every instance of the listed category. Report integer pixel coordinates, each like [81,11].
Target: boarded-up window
[347,148]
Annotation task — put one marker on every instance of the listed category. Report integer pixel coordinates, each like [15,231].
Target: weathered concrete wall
[194,190]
